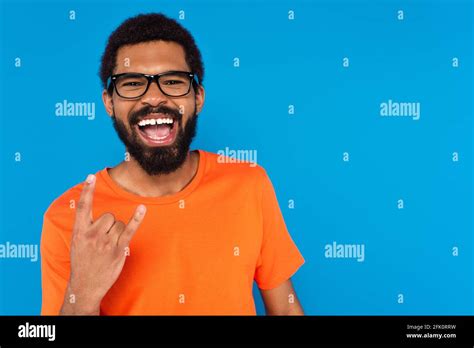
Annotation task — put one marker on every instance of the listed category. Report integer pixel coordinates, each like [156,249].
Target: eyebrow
[141,73]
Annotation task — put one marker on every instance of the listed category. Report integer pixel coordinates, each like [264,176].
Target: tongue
[157,131]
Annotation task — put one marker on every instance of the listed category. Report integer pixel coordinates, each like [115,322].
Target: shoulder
[240,169]
[61,211]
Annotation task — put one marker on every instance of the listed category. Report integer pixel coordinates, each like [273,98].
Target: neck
[131,177]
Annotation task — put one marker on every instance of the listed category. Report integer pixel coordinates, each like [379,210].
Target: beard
[162,159]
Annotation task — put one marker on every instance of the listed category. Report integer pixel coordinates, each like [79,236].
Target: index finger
[84,206]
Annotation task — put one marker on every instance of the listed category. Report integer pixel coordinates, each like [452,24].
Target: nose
[153,96]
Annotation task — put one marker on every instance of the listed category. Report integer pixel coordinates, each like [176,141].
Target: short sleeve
[55,267]
[279,257]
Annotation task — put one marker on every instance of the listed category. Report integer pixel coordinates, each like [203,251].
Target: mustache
[137,115]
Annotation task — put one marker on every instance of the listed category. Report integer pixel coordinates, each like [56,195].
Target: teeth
[157,138]
[154,121]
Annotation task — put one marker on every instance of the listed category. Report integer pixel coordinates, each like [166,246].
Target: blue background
[282,62]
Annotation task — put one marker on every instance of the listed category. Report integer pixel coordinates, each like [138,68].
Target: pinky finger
[132,226]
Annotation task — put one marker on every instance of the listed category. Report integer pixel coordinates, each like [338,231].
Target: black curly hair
[150,27]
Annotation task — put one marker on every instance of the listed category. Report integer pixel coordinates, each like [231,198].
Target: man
[169,231]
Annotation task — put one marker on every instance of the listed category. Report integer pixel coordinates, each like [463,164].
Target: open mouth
[158,131]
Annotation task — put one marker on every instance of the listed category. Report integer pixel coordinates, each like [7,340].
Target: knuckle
[109,216]
[107,219]
[102,244]
[81,205]
[120,224]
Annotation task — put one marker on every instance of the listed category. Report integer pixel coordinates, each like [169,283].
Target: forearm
[75,303]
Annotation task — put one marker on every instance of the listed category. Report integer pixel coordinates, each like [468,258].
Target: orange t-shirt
[197,252]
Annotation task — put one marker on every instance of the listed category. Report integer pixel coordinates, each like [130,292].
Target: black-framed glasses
[171,83]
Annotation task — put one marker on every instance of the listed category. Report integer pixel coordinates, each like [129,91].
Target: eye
[132,83]
[173,82]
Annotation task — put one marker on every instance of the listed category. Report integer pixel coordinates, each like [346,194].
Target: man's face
[159,148]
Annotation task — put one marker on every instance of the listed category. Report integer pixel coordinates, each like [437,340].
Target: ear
[200,96]
[108,103]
